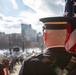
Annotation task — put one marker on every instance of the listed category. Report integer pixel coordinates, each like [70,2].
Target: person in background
[3,69]
[55,57]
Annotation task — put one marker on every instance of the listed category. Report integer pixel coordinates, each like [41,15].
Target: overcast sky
[15,12]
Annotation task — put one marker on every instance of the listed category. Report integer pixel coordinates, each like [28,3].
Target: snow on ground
[27,52]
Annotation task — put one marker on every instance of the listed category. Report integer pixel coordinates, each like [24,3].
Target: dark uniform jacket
[46,63]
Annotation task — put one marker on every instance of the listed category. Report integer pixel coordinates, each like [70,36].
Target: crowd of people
[8,64]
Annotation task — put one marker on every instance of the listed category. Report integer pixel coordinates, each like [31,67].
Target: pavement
[17,70]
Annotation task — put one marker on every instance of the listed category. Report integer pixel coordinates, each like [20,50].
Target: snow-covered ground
[27,52]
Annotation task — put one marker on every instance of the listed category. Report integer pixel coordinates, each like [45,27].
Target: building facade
[28,33]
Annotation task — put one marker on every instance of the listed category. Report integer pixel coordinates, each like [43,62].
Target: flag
[70,11]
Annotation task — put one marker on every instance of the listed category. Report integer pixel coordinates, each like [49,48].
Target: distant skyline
[15,12]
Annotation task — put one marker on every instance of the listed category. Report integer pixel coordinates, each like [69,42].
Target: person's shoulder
[35,65]
[39,58]
[31,61]
[32,58]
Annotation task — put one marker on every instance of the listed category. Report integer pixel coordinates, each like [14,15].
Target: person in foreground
[55,57]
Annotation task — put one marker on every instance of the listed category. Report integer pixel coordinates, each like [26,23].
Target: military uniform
[52,62]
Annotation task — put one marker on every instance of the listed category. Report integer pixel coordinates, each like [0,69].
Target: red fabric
[68,32]
[70,11]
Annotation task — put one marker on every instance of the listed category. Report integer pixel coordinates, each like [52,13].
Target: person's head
[54,31]
[54,37]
